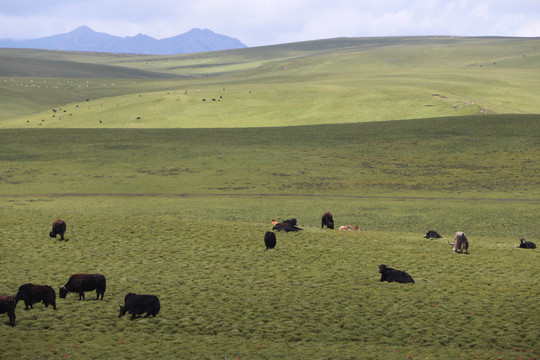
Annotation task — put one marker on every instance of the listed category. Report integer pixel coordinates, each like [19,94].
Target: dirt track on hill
[381,197]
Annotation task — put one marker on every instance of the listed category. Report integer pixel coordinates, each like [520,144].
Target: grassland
[317,295]
[176,203]
[182,213]
[320,82]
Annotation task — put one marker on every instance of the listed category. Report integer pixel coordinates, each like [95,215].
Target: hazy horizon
[272,22]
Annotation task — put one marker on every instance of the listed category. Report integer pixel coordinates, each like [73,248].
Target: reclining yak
[432,234]
[526,244]
[391,275]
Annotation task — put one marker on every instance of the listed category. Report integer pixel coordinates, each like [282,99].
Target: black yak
[526,244]
[139,304]
[327,220]
[32,294]
[79,283]
[58,228]
[270,240]
[390,275]
[432,234]
[460,243]
[7,305]
[291,222]
[285,226]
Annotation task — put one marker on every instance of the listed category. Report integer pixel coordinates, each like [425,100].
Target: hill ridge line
[266,195]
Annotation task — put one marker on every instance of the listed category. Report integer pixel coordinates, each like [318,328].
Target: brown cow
[7,305]
[58,228]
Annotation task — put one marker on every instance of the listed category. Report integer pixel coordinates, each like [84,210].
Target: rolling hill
[344,80]
[169,169]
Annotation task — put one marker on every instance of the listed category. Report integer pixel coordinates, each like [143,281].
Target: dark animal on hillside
[460,243]
[270,240]
[58,228]
[139,304]
[526,244]
[285,226]
[32,294]
[391,275]
[432,234]
[7,305]
[79,283]
[327,220]
[291,222]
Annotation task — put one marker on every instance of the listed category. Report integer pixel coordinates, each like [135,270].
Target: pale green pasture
[276,104]
[356,80]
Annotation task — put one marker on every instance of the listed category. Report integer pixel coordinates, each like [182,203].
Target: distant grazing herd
[137,305]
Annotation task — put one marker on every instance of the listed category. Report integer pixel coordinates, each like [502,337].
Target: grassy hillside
[487,156]
[168,192]
[320,82]
[182,213]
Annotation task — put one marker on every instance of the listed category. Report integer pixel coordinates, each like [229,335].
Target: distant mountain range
[85,39]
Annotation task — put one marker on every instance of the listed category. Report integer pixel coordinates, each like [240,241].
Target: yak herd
[31,294]
[460,244]
[137,305]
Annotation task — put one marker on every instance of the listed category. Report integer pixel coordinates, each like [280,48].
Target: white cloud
[265,22]
[531,29]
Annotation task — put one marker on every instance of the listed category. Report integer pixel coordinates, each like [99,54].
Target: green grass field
[317,295]
[319,82]
[167,194]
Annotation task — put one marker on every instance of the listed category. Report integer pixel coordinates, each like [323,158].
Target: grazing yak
[432,234]
[287,225]
[58,228]
[460,243]
[270,240]
[7,305]
[79,283]
[139,304]
[391,275]
[32,294]
[327,220]
[526,244]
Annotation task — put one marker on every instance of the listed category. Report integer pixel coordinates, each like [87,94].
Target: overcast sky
[266,22]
